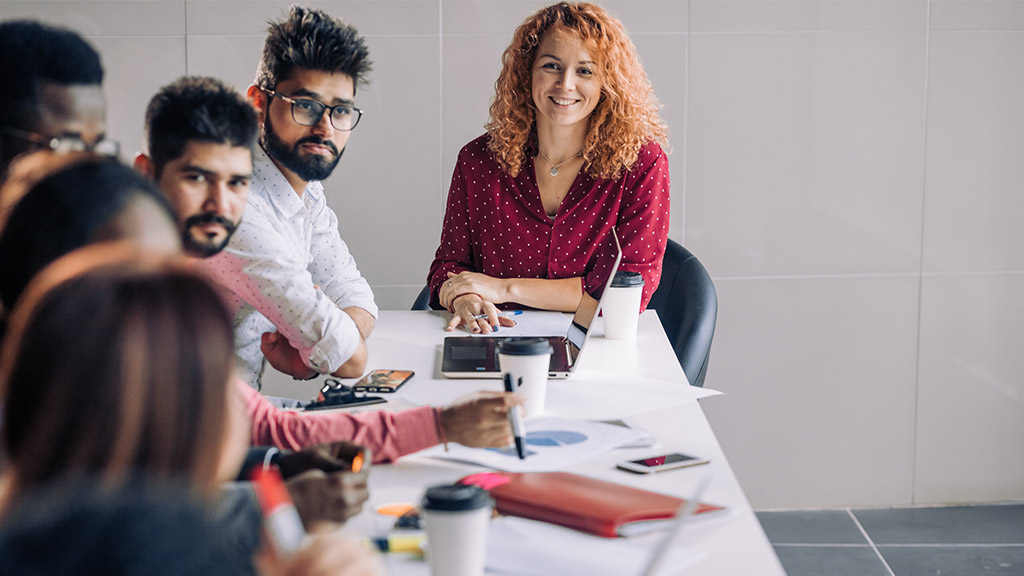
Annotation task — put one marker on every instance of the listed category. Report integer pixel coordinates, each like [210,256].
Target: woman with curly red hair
[571,152]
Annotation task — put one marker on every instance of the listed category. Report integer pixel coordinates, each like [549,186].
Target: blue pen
[505,314]
[515,418]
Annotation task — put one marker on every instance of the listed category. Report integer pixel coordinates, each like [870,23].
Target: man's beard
[309,167]
[210,247]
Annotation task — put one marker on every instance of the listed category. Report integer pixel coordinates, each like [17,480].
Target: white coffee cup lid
[519,346]
[625,279]
[456,497]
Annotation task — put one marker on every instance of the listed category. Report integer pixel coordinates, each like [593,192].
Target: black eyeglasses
[65,144]
[308,112]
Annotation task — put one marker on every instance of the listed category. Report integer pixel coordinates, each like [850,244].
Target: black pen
[515,418]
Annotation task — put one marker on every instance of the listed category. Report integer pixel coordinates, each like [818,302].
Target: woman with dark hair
[118,362]
[571,152]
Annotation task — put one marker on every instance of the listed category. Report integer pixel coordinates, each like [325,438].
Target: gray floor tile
[811,527]
[830,561]
[954,560]
[955,525]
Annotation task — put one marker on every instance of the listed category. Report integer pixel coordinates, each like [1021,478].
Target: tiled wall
[847,171]
[851,186]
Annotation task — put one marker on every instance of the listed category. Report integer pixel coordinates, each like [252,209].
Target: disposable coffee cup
[621,305]
[457,518]
[527,360]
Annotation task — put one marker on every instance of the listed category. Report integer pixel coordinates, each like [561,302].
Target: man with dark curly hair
[294,287]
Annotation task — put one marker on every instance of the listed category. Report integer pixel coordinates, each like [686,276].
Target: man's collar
[278,190]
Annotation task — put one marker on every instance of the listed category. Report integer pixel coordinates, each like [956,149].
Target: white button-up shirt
[287,269]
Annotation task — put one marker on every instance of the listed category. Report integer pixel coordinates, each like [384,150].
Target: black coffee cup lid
[517,346]
[456,497]
[625,279]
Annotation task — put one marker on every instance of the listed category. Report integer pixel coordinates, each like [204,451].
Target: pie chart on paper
[554,438]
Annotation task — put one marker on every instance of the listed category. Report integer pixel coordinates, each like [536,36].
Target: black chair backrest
[688,307]
[423,300]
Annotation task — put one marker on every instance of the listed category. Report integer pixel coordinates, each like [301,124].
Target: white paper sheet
[527,547]
[552,444]
[585,395]
[521,547]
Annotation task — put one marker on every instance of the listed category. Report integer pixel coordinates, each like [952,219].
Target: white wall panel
[385,188]
[975,151]
[370,17]
[819,382]
[970,417]
[802,16]
[978,15]
[103,17]
[135,68]
[806,152]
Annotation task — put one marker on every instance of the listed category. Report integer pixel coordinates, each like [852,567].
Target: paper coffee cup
[457,518]
[621,305]
[527,360]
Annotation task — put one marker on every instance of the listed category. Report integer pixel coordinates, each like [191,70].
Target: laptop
[477,356]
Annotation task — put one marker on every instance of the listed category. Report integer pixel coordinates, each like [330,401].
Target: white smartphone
[661,462]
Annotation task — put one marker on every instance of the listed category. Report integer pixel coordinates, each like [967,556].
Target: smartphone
[661,462]
[353,403]
[383,381]
[334,394]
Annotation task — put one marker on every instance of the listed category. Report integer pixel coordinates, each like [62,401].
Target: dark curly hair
[626,117]
[313,40]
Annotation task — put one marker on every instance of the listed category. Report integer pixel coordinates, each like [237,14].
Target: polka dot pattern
[495,224]
[287,269]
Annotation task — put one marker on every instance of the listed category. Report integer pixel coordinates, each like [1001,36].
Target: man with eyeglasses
[51,96]
[298,297]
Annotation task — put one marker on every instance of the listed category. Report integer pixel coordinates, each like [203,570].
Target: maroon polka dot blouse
[495,224]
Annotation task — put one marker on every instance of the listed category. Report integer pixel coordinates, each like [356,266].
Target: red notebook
[586,504]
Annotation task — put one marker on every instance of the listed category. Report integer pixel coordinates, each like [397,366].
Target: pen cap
[281,521]
[517,346]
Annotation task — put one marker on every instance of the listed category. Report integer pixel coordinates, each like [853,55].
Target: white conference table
[660,401]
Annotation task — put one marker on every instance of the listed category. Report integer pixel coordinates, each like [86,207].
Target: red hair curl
[627,114]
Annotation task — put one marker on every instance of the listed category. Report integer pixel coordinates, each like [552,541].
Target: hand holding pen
[515,419]
[479,316]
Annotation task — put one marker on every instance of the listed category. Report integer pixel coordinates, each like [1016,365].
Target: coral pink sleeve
[388,435]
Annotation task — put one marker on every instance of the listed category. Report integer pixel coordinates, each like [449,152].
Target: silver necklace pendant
[554,167]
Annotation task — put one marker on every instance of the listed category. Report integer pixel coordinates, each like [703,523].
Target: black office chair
[423,300]
[688,307]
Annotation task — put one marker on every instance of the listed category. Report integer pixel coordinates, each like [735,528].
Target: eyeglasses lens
[309,113]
